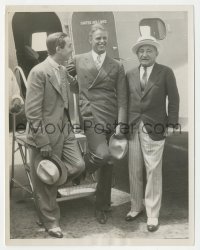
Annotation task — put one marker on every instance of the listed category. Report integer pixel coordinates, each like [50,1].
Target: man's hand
[46,151]
[16,106]
[170,131]
[119,132]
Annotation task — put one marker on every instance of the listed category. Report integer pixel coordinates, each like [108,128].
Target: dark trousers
[102,160]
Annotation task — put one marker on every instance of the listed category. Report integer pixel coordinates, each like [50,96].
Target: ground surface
[77,216]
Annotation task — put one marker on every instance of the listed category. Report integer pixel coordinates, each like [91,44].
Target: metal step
[75,192]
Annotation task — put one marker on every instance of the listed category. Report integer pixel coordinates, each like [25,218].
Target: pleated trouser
[145,152]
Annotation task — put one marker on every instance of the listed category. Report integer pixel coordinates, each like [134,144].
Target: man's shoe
[55,232]
[152,228]
[152,224]
[76,181]
[101,216]
[131,216]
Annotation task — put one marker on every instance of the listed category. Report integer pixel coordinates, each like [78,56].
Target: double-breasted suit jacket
[102,100]
[150,106]
[102,94]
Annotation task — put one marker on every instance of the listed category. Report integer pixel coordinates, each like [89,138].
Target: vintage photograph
[100,128]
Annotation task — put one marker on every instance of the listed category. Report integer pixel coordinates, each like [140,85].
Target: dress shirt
[149,70]
[95,55]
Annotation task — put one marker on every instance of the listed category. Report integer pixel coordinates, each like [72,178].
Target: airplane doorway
[81,23]
[29,27]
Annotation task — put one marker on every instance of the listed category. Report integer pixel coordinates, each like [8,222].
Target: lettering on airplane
[93,22]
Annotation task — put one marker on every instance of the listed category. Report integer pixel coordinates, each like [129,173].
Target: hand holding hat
[118,146]
[51,170]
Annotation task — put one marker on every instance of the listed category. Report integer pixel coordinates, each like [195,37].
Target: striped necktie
[143,80]
[98,62]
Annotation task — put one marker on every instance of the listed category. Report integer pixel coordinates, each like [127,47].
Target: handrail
[22,74]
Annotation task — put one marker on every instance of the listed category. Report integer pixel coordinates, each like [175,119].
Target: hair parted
[55,40]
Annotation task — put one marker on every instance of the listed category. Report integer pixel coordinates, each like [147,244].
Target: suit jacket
[46,107]
[102,94]
[150,106]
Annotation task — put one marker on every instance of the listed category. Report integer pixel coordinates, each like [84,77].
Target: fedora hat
[145,40]
[51,170]
[118,147]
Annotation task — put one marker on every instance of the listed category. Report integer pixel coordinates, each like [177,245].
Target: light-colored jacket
[46,107]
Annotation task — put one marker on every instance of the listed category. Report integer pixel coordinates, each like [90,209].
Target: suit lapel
[52,77]
[90,65]
[137,81]
[103,72]
[152,78]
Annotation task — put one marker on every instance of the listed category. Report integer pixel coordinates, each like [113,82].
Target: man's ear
[57,49]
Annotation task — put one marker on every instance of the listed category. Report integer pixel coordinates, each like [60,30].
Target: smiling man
[47,110]
[150,85]
[103,104]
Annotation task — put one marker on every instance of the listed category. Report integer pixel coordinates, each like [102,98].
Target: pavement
[77,216]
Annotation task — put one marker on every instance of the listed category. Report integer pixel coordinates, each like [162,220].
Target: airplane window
[154,27]
[39,41]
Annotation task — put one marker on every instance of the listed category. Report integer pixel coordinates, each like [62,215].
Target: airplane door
[80,25]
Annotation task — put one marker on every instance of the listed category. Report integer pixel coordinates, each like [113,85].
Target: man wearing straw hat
[149,85]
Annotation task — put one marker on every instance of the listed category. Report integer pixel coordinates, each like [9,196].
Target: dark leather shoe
[76,181]
[101,216]
[152,228]
[129,218]
[56,234]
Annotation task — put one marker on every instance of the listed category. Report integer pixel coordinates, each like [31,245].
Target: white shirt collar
[149,70]
[95,55]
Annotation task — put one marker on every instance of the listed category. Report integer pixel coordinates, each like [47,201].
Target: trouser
[143,151]
[46,194]
[99,158]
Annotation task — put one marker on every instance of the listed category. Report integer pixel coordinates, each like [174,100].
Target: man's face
[99,40]
[147,55]
[66,52]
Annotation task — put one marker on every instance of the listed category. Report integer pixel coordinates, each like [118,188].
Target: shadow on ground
[77,216]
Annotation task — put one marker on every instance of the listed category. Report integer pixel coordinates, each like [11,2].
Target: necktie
[63,84]
[143,81]
[98,62]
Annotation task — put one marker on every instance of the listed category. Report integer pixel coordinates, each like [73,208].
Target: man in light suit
[103,108]
[48,129]
[149,85]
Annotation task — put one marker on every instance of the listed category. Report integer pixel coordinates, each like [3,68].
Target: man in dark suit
[103,107]
[48,129]
[150,85]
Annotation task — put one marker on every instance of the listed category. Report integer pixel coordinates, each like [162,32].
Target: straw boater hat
[51,171]
[145,40]
[118,147]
